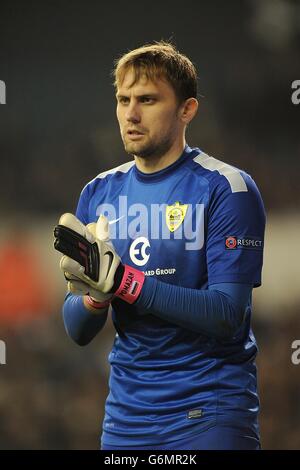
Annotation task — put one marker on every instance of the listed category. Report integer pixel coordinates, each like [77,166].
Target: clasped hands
[91,265]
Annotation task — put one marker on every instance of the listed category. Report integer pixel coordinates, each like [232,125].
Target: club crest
[175,215]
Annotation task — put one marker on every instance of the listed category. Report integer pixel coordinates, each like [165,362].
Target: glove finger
[91,228]
[71,277]
[102,228]
[81,288]
[78,288]
[71,221]
[72,267]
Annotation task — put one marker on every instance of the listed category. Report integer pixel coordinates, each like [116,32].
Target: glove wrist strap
[131,284]
[93,303]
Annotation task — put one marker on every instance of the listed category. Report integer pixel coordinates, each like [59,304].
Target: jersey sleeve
[89,198]
[82,211]
[235,234]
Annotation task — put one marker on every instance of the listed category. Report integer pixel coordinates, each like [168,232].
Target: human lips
[134,134]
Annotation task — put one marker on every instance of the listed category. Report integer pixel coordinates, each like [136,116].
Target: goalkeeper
[172,241]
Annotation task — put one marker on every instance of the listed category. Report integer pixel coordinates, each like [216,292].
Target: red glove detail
[131,284]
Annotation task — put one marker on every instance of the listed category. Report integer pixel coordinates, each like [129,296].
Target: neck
[154,163]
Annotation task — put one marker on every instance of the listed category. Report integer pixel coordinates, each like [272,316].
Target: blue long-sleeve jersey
[197,225]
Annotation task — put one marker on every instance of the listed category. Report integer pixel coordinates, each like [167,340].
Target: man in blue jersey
[177,239]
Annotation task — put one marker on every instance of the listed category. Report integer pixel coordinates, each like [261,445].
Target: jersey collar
[165,172]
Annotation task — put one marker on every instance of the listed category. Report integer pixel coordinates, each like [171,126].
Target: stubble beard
[150,150]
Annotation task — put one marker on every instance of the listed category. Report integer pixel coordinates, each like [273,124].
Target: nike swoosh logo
[110,260]
[116,220]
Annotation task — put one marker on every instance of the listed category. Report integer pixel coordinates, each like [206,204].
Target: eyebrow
[143,95]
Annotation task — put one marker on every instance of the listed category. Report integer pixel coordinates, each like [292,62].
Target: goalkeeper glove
[95,298]
[76,286]
[94,261]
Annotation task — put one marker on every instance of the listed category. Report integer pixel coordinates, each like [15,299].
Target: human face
[148,116]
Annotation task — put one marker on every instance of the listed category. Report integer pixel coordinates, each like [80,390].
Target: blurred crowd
[56,399]
[51,390]
[278,380]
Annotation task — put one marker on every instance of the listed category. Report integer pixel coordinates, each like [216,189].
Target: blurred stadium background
[58,130]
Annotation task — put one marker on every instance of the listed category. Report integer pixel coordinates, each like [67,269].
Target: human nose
[132,113]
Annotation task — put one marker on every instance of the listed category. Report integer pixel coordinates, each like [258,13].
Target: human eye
[123,99]
[147,99]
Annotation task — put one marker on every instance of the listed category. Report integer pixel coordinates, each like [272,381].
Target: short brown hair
[159,60]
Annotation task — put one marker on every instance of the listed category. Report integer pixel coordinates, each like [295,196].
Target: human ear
[189,110]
